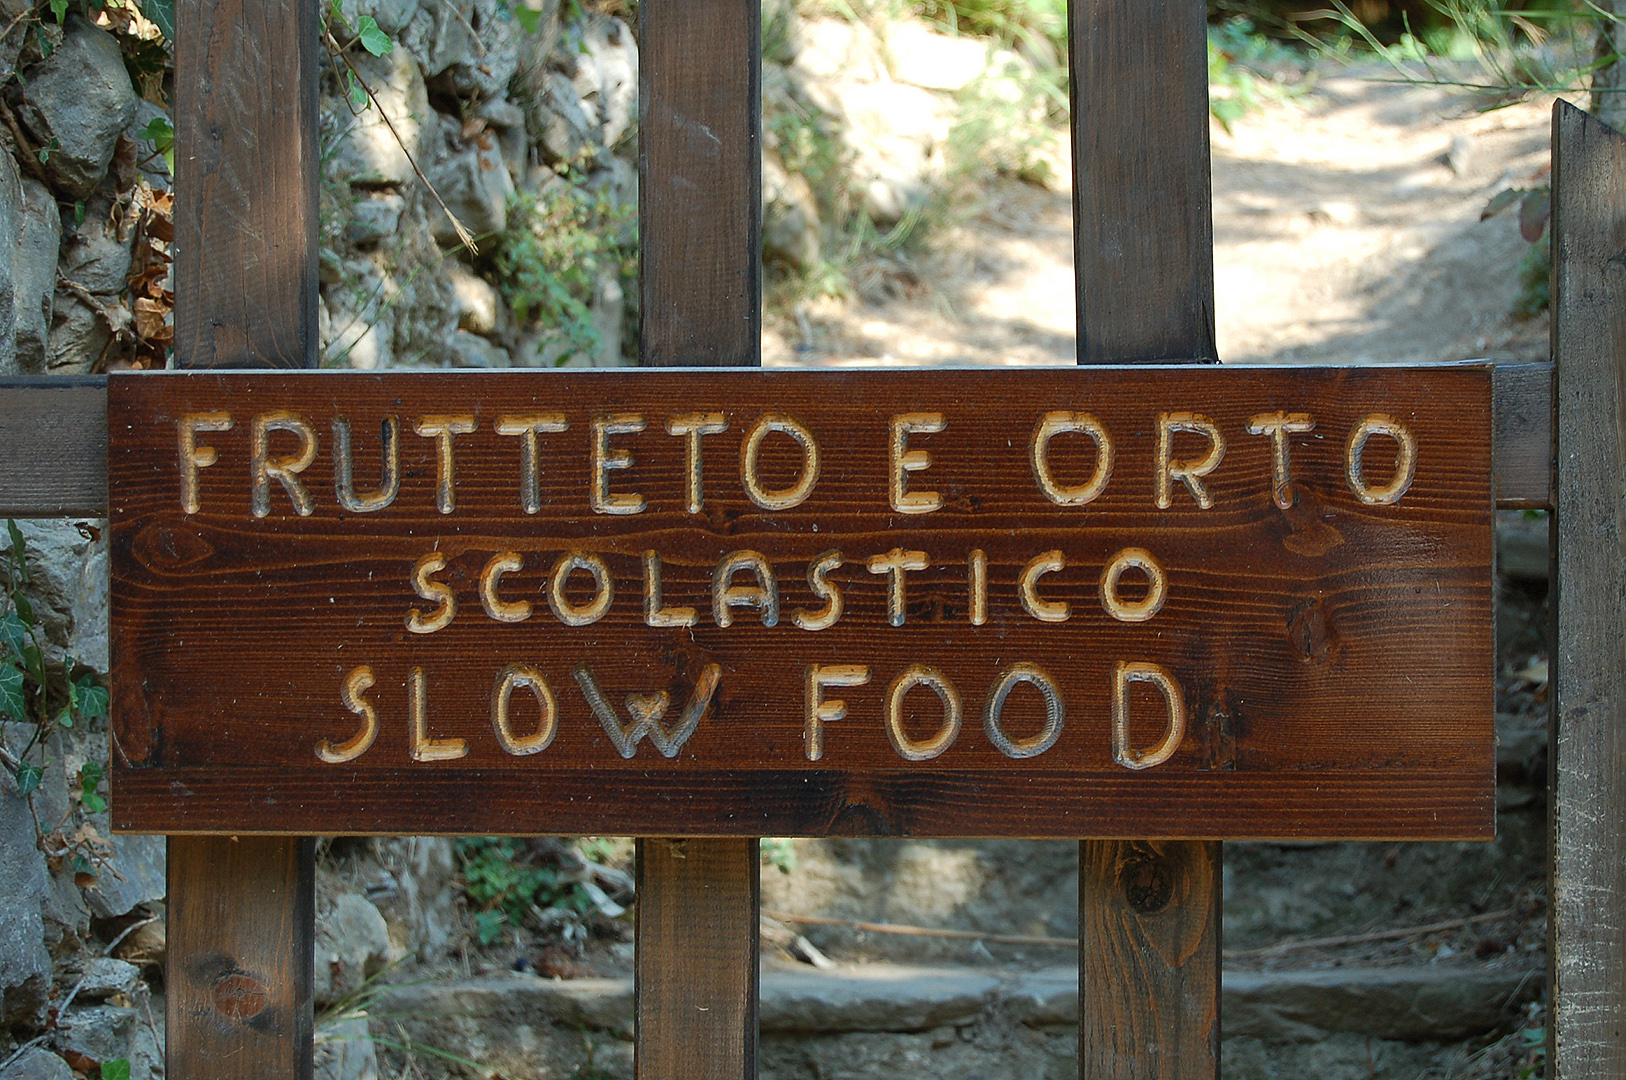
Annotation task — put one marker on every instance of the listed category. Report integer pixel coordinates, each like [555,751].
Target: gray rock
[37,1064]
[466,350]
[476,298]
[345,1050]
[79,335]
[151,163]
[34,269]
[564,132]
[476,187]
[11,226]
[421,895]
[370,153]
[11,46]
[352,945]
[25,966]
[879,997]
[606,78]
[790,216]
[100,1032]
[135,875]
[94,255]
[77,102]
[103,977]
[374,216]
[506,122]
[69,590]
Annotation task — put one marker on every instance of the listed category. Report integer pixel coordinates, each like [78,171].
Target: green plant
[504,878]
[1533,1041]
[558,245]
[779,852]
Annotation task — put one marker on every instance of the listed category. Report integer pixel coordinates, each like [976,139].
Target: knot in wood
[1148,884]
[239,996]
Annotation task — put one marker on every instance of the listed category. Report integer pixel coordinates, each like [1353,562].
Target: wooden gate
[241,919]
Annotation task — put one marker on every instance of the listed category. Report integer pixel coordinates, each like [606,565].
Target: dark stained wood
[1143,231]
[1587,923]
[700,185]
[1334,636]
[53,443]
[696,977]
[242,918]
[1524,435]
[246,174]
[1149,958]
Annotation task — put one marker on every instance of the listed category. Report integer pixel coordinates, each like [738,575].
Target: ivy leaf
[28,777]
[59,8]
[1533,214]
[358,96]
[373,39]
[162,14]
[89,698]
[65,718]
[161,133]
[90,778]
[1500,201]
[17,549]
[11,692]
[13,633]
[117,1069]
[529,18]
[93,803]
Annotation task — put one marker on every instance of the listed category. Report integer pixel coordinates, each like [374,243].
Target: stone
[373,217]
[345,1050]
[94,255]
[606,78]
[352,945]
[105,977]
[476,187]
[925,58]
[476,299]
[68,590]
[564,132]
[151,163]
[77,102]
[392,16]
[838,49]
[25,966]
[106,1032]
[897,135]
[419,893]
[135,875]
[368,152]
[79,335]
[11,225]
[34,267]
[466,350]
[37,1064]
[790,217]
[873,997]
[506,121]
[11,45]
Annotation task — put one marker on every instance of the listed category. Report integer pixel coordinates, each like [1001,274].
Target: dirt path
[1346,230]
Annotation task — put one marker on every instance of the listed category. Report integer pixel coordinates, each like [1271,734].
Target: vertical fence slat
[700,229]
[700,213]
[1149,911]
[242,912]
[1587,947]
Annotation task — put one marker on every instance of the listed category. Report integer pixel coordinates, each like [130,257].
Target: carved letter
[502,610]
[1405,459]
[764,595]
[605,459]
[344,485]
[1052,424]
[1190,473]
[751,450]
[895,563]
[285,470]
[654,613]
[350,693]
[442,429]
[429,589]
[1054,711]
[931,678]
[694,426]
[603,589]
[905,461]
[818,577]
[509,678]
[195,457]
[1050,562]
[423,748]
[1278,425]
[528,427]
[977,583]
[1124,674]
[821,711]
[646,711]
[1157,586]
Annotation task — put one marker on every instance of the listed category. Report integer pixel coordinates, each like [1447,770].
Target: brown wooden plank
[1347,637]
[1149,952]
[1587,923]
[1524,436]
[246,165]
[242,917]
[53,442]
[1143,232]
[696,979]
[700,209]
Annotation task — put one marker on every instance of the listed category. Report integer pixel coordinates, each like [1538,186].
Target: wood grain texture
[1149,959]
[1333,637]
[700,201]
[1143,233]
[53,443]
[696,975]
[1587,918]
[242,918]
[1524,436]
[246,176]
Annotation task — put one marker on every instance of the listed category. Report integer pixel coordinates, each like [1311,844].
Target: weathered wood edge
[1587,916]
[53,435]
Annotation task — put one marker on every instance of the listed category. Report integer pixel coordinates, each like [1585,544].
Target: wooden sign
[1196,602]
